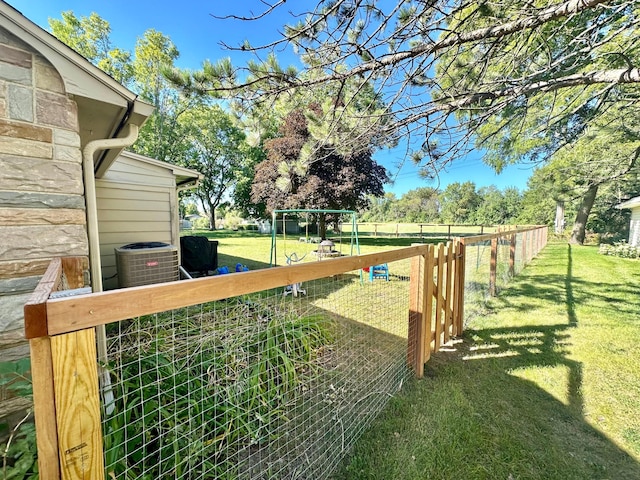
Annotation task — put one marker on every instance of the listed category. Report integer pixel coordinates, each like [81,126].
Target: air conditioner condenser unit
[145,263]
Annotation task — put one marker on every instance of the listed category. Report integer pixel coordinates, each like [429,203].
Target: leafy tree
[545,188]
[595,173]
[459,202]
[217,149]
[606,155]
[184,128]
[430,60]
[260,124]
[512,205]
[154,53]
[605,219]
[550,126]
[520,79]
[380,209]
[419,205]
[324,179]
[162,136]
[245,176]
[188,208]
[345,118]
[498,207]
[90,37]
[165,135]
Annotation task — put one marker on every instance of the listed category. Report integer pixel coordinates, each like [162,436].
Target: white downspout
[90,197]
[95,265]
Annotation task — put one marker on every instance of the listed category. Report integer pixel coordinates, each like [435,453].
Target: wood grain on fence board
[77,401]
[44,410]
[83,311]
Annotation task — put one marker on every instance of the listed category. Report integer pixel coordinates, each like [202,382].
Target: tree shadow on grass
[563,289]
[504,403]
[477,415]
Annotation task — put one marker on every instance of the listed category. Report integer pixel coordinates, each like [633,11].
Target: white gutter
[95,264]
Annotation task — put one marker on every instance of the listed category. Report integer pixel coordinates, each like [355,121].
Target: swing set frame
[354,242]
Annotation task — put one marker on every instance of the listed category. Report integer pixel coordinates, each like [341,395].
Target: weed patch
[228,387]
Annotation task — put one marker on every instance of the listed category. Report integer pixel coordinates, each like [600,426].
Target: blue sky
[197,34]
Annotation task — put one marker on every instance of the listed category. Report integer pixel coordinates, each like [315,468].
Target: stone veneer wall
[42,208]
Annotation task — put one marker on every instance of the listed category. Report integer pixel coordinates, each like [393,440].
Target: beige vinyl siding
[126,171]
[136,203]
[634,227]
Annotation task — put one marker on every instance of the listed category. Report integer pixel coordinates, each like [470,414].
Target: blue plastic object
[222,270]
[379,271]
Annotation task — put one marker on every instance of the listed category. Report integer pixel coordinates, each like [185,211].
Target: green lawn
[545,386]
[253,249]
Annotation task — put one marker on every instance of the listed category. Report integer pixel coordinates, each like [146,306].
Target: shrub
[620,249]
[200,223]
[19,453]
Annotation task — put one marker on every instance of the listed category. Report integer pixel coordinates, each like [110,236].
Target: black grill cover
[198,254]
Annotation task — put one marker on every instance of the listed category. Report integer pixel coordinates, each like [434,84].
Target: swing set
[324,248]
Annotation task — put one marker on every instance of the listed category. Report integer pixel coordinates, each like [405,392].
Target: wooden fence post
[35,326]
[448,304]
[418,321]
[493,267]
[64,374]
[540,239]
[512,256]
[439,292]
[429,264]
[77,402]
[460,262]
[44,410]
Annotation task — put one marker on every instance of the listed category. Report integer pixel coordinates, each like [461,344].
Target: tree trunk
[578,232]
[322,226]
[212,217]
[559,223]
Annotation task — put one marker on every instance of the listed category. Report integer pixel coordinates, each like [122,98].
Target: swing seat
[379,271]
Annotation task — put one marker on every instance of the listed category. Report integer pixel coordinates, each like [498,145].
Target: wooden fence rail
[533,240]
[421,230]
[61,332]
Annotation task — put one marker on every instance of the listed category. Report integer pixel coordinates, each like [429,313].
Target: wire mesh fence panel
[519,262]
[510,260]
[477,271]
[503,271]
[277,384]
